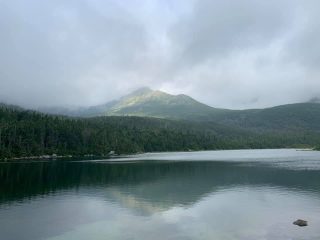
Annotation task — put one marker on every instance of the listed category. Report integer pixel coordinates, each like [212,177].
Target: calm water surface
[248,194]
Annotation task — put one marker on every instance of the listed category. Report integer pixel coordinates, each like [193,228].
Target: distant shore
[55,157]
[112,154]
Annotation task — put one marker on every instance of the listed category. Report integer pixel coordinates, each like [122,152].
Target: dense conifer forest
[28,133]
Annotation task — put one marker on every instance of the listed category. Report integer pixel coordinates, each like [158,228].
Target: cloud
[243,54]
[234,54]
[53,52]
[219,28]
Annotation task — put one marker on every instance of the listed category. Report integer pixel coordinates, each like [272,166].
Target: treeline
[27,133]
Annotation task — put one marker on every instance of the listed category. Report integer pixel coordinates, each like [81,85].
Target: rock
[300,223]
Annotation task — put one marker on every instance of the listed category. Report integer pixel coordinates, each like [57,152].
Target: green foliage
[26,133]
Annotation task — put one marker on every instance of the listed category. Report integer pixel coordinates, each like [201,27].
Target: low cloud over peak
[233,54]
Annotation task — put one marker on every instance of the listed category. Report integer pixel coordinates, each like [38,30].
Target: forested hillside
[27,133]
[291,117]
[298,118]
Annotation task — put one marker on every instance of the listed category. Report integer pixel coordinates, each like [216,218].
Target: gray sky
[234,54]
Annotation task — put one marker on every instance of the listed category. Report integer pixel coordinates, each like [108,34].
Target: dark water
[254,194]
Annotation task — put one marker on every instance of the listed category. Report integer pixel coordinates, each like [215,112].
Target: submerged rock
[300,223]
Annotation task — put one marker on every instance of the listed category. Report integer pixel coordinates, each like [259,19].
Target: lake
[241,194]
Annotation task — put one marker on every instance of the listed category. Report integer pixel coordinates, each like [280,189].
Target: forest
[25,133]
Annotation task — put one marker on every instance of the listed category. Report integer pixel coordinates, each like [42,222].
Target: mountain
[149,103]
[289,117]
[146,102]
[29,133]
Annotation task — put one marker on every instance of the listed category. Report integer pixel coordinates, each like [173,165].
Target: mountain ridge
[145,102]
[156,121]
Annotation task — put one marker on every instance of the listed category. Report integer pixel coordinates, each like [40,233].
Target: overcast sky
[234,54]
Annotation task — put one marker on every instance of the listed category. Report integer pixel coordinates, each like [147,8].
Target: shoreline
[54,157]
[113,155]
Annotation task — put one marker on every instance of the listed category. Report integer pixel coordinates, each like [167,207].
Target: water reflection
[176,182]
[158,200]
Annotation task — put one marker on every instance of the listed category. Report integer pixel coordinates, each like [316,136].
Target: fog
[233,54]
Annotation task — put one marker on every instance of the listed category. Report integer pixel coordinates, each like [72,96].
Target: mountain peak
[155,103]
[147,102]
[141,91]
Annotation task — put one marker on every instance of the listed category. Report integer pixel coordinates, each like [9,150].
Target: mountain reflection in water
[147,188]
